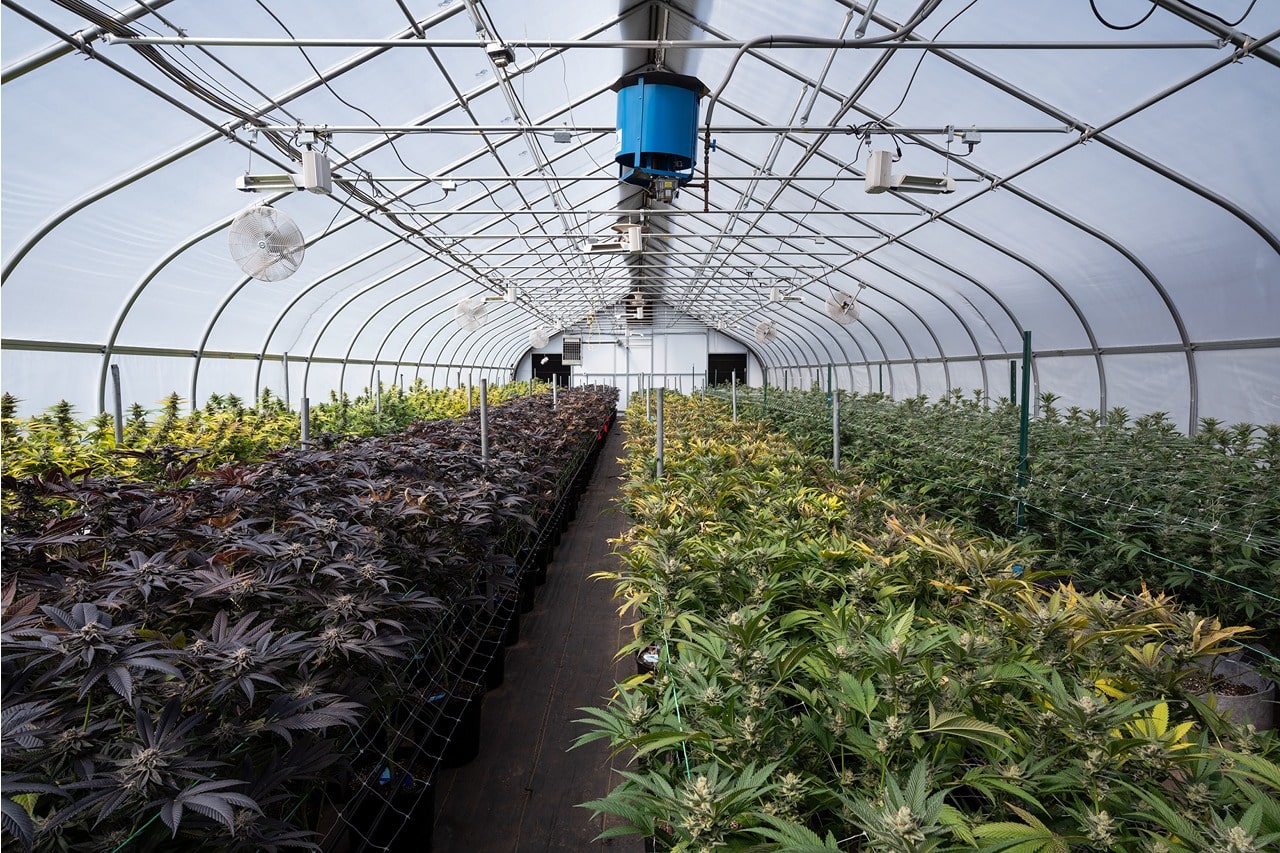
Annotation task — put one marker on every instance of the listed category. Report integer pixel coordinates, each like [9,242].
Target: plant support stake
[119,404]
[658,451]
[484,420]
[377,399]
[555,393]
[733,394]
[835,430]
[284,358]
[1024,429]
[306,420]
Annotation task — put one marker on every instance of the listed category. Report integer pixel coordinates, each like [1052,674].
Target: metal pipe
[835,430]
[1024,430]
[733,394]
[659,449]
[306,420]
[548,129]
[285,359]
[484,420]
[82,38]
[778,42]
[119,405]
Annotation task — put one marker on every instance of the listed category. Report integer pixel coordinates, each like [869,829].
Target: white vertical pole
[835,429]
[285,358]
[377,394]
[484,420]
[306,420]
[119,404]
[468,388]
[658,453]
[555,393]
[733,394]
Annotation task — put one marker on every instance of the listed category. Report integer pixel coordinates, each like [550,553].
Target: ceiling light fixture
[500,54]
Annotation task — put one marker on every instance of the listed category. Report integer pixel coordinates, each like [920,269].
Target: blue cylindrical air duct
[657,126]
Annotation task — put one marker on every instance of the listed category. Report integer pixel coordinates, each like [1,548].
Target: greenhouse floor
[521,792]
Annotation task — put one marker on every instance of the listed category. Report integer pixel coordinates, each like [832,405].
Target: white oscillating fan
[539,338]
[766,331]
[266,243]
[842,307]
[470,312]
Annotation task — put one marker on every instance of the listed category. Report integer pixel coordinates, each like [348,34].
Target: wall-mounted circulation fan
[842,307]
[266,243]
[766,332]
[470,312]
[539,338]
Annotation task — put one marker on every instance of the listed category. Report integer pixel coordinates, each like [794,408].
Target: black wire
[920,62]
[1093,4]
[1220,19]
[344,101]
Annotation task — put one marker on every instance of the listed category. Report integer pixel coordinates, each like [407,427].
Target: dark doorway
[550,364]
[722,366]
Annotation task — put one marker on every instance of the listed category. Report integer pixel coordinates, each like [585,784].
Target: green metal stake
[764,394]
[1013,382]
[882,379]
[1024,430]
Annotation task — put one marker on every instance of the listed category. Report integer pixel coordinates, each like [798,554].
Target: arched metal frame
[808,339]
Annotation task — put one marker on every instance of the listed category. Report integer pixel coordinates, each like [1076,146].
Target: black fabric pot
[396,811]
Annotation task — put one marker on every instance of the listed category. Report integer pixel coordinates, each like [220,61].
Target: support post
[648,408]
[1013,382]
[468,388]
[733,394]
[484,420]
[119,404]
[1024,430]
[658,451]
[377,393]
[555,394]
[285,359]
[835,430]
[830,370]
[764,393]
[881,378]
[306,420]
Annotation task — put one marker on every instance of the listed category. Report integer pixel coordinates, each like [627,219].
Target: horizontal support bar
[550,129]
[1081,352]
[171,352]
[664,44]
[674,211]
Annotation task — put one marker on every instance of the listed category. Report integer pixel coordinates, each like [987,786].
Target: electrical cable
[1093,4]
[325,81]
[920,62]
[1219,18]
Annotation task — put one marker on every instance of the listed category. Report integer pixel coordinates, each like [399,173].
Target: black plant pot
[457,728]
[485,661]
[397,811]
[511,634]
[528,589]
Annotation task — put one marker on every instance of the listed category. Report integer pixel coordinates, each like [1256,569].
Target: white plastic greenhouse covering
[1116,196]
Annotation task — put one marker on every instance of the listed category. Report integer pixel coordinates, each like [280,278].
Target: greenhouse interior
[481,425]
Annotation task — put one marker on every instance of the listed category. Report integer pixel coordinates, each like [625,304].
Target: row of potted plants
[225,429]
[1114,502]
[824,669]
[245,658]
